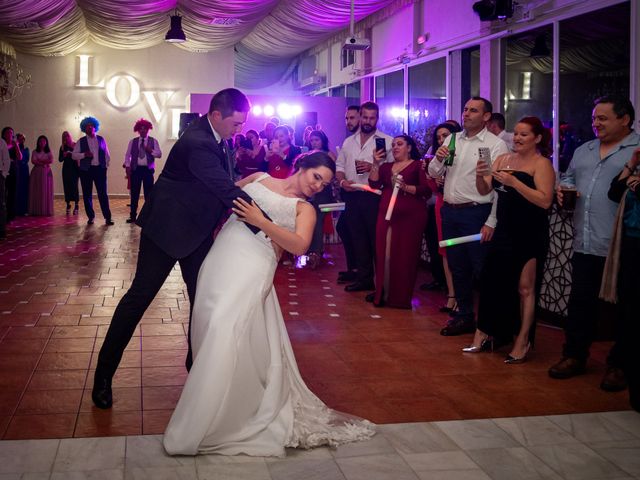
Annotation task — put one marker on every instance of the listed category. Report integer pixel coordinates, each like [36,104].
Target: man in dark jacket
[189,199]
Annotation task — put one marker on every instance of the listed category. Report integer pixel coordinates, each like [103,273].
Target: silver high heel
[485,346]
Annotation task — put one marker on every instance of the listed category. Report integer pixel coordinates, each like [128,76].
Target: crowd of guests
[25,191]
[475,178]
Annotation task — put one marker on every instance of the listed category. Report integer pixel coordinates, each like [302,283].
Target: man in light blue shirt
[592,168]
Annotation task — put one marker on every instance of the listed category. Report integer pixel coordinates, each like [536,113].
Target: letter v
[157,109]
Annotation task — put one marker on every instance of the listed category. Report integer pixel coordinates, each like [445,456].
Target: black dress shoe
[359,287]
[90,221]
[566,368]
[457,327]
[614,380]
[131,220]
[109,222]
[101,393]
[346,277]
[370,297]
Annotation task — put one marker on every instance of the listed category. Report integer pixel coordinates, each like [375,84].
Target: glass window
[529,76]
[353,93]
[390,98]
[427,100]
[337,92]
[594,61]
[470,73]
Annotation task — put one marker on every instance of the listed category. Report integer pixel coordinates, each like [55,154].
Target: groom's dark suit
[186,204]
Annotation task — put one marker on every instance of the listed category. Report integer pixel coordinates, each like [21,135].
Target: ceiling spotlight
[540,49]
[175,33]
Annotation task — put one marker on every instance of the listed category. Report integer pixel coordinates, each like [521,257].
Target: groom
[193,191]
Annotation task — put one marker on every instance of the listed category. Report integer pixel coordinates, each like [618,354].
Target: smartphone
[381,144]
[484,153]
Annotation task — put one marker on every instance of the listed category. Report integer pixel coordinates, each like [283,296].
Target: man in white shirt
[139,162]
[497,126]
[465,211]
[352,167]
[5,163]
[92,154]
[352,122]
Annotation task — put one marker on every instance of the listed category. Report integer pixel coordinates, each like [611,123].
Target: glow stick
[459,240]
[394,197]
[331,207]
[365,187]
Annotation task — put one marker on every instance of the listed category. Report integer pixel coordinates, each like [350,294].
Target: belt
[461,205]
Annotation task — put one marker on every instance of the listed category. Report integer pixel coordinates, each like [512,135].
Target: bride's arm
[295,242]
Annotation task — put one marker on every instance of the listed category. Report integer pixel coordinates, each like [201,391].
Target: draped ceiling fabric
[268,35]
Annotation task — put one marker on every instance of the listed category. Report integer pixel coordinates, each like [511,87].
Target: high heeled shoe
[485,346]
[511,360]
[446,308]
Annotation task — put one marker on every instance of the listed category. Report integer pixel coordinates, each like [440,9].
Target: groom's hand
[248,212]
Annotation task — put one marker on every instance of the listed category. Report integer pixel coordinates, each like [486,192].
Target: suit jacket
[192,193]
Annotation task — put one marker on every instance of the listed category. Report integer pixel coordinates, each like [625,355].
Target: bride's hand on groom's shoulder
[248,212]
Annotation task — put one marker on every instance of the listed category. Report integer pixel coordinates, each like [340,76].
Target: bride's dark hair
[314,159]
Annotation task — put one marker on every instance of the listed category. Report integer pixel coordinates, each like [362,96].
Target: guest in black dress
[22,184]
[524,182]
[11,182]
[318,140]
[70,172]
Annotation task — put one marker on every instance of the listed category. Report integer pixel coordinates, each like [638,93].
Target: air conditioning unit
[312,81]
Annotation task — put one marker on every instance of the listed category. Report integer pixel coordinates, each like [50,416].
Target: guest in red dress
[281,153]
[250,160]
[398,240]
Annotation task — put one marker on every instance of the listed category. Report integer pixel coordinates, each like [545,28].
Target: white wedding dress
[244,394]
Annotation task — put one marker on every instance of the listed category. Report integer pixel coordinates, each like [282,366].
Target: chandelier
[12,78]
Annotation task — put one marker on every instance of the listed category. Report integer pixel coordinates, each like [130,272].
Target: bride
[244,393]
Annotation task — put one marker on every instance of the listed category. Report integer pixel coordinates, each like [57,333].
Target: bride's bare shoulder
[305,208]
[249,179]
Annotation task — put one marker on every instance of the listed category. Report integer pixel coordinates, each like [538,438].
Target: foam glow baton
[331,207]
[459,240]
[394,197]
[365,187]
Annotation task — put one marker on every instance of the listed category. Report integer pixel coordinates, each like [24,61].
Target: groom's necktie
[228,162]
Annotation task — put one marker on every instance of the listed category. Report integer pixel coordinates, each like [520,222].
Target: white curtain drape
[268,34]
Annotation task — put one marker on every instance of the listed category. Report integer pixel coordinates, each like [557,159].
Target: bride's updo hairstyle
[314,159]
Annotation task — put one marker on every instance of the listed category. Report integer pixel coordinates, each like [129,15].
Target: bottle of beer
[452,151]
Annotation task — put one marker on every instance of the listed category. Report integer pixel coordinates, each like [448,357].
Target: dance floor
[60,281]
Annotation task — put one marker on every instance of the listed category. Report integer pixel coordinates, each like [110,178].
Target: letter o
[134,91]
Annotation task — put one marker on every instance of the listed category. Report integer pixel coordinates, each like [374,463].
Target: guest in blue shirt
[592,167]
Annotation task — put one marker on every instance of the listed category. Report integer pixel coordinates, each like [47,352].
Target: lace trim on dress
[315,424]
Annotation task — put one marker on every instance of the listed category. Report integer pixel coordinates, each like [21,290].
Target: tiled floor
[572,447]
[60,281]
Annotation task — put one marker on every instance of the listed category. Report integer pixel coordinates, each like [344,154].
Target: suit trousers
[98,175]
[345,236]
[466,260]
[141,176]
[582,315]
[361,215]
[153,268]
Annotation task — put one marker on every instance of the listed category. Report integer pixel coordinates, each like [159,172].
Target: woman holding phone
[524,181]
[398,240]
